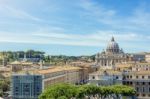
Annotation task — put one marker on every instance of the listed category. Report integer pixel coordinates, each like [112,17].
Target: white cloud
[10,11]
[97,11]
[99,38]
[138,20]
[56,35]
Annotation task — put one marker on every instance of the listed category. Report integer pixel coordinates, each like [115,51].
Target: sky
[74,27]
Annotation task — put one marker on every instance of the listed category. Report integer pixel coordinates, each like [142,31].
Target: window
[143,83]
[124,83]
[148,77]
[127,83]
[124,77]
[96,69]
[137,77]
[143,95]
[127,76]
[142,77]
[117,77]
[137,89]
[93,77]
[130,76]
[16,87]
[143,89]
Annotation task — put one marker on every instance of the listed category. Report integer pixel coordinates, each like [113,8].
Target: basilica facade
[111,55]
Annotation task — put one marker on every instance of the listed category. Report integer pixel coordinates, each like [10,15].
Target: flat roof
[109,72]
[58,69]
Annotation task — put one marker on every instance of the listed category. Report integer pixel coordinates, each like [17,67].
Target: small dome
[103,52]
[112,46]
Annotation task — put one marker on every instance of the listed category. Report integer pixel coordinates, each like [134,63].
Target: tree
[68,91]
[59,90]
[4,86]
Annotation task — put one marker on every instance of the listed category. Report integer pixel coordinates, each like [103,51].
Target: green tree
[4,86]
[59,90]
[68,91]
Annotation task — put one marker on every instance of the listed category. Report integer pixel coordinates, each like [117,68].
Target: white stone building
[105,78]
[112,55]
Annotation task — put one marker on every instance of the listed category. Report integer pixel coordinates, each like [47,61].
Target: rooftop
[109,72]
[139,72]
[58,69]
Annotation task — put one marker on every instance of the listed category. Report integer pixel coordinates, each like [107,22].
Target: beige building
[124,66]
[147,57]
[140,80]
[105,77]
[65,74]
[141,67]
[137,75]
[133,66]
[18,66]
[91,67]
[5,72]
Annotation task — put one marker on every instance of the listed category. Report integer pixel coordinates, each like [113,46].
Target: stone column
[102,62]
[107,63]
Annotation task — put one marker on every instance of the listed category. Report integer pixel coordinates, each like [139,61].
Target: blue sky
[74,27]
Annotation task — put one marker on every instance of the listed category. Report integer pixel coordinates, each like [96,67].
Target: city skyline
[82,27]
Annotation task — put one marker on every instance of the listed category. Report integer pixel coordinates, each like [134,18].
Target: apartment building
[147,57]
[138,76]
[30,84]
[26,86]
[105,78]
[140,67]
[65,74]
[140,80]
[52,76]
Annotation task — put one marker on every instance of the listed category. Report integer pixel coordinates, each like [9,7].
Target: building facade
[66,74]
[26,86]
[134,74]
[140,80]
[105,78]
[138,57]
[137,75]
[112,55]
[147,57]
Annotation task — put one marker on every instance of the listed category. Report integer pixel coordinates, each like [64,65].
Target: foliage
[11,56]
[59,90]
[15,55]
[68,91]
[4,86]
[59,59]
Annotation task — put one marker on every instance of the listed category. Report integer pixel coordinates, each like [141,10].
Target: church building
[111,55]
